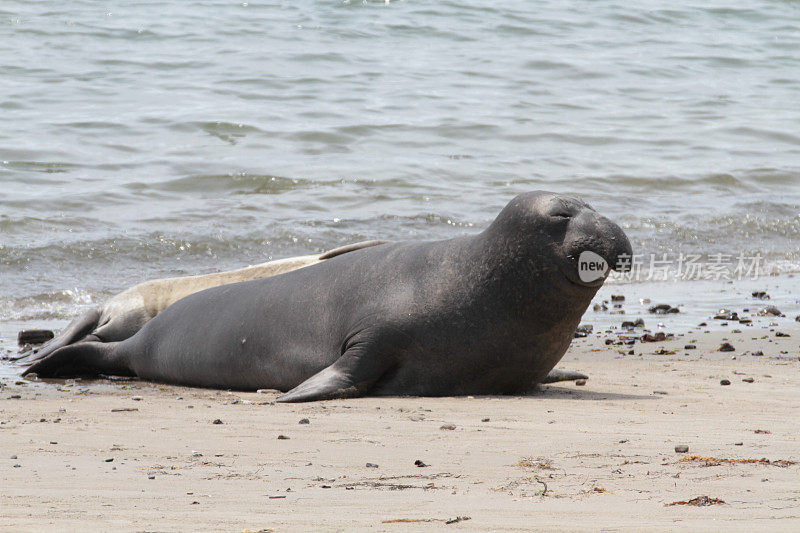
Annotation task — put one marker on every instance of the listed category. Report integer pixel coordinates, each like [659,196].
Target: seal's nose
[600,235]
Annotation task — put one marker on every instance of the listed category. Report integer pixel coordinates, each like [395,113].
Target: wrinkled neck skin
[526,268]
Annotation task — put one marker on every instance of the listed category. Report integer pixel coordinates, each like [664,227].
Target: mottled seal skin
[490,313]
[128,312]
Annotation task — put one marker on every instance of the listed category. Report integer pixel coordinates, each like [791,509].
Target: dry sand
[134,456]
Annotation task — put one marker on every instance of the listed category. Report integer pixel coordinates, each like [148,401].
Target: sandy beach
[136,456]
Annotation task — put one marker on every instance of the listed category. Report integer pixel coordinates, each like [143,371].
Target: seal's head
[583,245]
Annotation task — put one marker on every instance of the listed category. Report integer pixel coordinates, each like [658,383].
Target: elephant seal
[127,312]
[490,313]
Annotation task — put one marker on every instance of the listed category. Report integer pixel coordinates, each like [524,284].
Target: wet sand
[133,456]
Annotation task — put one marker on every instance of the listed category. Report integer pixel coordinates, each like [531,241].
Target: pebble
[484,420]
[681,448]
[372,465]
[109,460]
[617,298]
[217,421]
[761,295]
[151,476]
[419,463]
[726,347]
[283,437]
[724,382]
[748,380]
[34,336]
[770,311]
[738,443]
[304,421]
[726,314]
[662,392]
[797,318]
[13,457]
[690,347]
[781,334]
[663,309]
[580,382]
[449,427]
[137,398]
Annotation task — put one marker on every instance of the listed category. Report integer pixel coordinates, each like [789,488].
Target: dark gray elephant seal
[485,314]
[128,312]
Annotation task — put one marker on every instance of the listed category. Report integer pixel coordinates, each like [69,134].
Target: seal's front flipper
[74,332]
[563,375]
[349,376]
[82,359]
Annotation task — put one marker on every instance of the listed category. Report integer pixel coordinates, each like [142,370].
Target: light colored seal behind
[128,312]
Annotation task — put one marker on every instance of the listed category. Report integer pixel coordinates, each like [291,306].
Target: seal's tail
[76,331]
[82,359]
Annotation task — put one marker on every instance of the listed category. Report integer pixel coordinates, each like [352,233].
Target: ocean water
[146,139]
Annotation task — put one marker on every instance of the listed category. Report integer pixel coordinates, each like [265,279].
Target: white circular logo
[591,267]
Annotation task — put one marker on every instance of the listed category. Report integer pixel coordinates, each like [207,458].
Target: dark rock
[617,298]
[217,421]
[34,336]
[580,382]
[738,443]
[724,382]
[372,465]
[419,463]
[658,337]
[304,421]
[690,347]
[748,380]
[761,295]
[663,309]
[583,330]
[449,427]
[484,420]
[781,334]
[283,437]
[681,448]
[726,347]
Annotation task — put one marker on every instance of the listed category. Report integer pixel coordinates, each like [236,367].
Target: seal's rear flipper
[563,375]
[349,376]
[75,331]
[82,359]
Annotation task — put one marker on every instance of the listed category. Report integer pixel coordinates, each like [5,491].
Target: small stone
[13,457]
[663,309]
[726,347]
[137,398]
[283,437]
[738,443]
[781,334]
[419,464]
[661,392]
[372,465]
[748,380]
[761,295]
[449,427]
[484,420]
[217,421]
[724,382]
[151,476]
[681,448]
[770,311]
[580,382]
[15,397]
[617,298]
[758,353]
[109,460]
[304,421]
[690,347]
